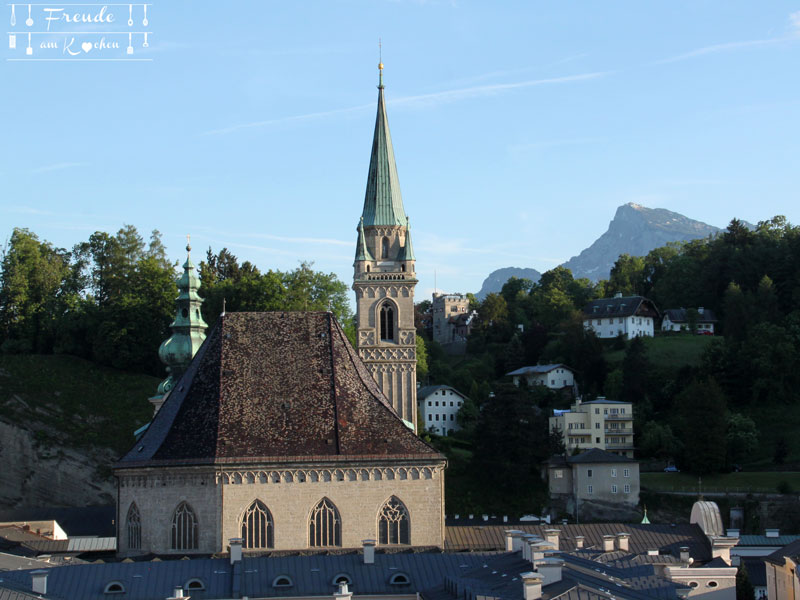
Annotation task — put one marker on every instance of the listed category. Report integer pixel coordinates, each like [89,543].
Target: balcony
[627,431]
[618,417]
[625,446]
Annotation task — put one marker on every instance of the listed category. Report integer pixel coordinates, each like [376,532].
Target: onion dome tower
[188,331]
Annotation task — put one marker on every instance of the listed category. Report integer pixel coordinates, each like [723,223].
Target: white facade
[601,423]
[610,327]
[554,377]
[438,406]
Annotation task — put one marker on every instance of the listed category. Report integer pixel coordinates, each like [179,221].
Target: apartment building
[601,423]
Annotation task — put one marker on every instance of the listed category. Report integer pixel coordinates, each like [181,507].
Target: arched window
[257,528]
[184,528]
[394,526]
[385,248]
[134,523]
[325,525]
[387,322]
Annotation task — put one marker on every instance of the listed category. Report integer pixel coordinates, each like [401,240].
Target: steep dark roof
[779,556]
[538,369]
[679,315]
[620,307]
[596,455]
[426,391]
[275,387]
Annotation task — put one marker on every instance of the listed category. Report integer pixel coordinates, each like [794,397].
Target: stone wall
[220,498]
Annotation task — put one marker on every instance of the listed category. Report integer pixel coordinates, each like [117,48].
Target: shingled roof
[275,387]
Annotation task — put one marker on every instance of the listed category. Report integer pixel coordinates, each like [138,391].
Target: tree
[657,440]
[702,422]
[635,371]
[741,438]
[744,588]
[422,359]
[627,276]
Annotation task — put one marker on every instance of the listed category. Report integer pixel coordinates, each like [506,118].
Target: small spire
[380,65]
[223,308]
[188,243]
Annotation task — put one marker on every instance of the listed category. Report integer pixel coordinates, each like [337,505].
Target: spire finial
[188,242]
[223,308]
[380,64]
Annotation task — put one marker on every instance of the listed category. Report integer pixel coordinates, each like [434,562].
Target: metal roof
[426,391]
[763,540]
[538,369]
[619,307]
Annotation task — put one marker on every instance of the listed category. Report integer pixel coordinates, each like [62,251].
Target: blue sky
[518,127]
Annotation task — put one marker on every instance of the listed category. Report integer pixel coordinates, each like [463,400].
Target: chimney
[343,593]
[579,541]
[177,594]
[733,533]
[532,585]
[700,310]
[622,541]
[618,295]
[39,581]
[608,543]
[652,552]
[510,535]
[772,533]
[551,535]
[527,540]
[236,550]
[550,569]
[369,551]
[685,554]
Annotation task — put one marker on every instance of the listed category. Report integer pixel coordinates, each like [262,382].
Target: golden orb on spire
[380,66]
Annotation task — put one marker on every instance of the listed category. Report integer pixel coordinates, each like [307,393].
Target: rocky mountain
[635,230]
[496,279]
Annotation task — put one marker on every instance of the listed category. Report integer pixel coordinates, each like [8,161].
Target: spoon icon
[13,17]
[145,21]
[29,21]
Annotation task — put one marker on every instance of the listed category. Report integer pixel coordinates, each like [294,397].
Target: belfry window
[257,527]
[385,248]
[387,322]
[134,528]
[184,528]
[324,525]
[393,524]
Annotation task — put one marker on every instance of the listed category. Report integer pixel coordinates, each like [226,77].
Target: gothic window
[394,526]
[324,525]
[387,322]
[184,528]
[257,528]
[385,248]
[134,528]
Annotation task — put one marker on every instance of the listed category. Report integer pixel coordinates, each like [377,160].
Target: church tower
[384,278]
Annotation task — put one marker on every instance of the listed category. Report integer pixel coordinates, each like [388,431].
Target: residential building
[384,278]
[677,319]
[594,484]
[452,318]
[601,423]
[555,377]
[631,316]
[783,572]
[438,407]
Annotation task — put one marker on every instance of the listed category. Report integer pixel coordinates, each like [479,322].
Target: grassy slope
[74,402]
[668,352]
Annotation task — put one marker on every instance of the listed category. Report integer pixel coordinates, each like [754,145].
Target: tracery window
[385,248]
[134,523]
[394,526]
[387,321]
[324,525]
[184,528]
[257,527]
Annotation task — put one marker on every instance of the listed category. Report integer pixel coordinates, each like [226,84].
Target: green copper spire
[188,328]
[407,251]
[645,520]
[362,252]
[383,204]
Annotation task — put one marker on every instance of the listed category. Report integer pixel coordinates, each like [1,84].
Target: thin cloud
[794,21]
[58,167]
[717,48]
[433,99]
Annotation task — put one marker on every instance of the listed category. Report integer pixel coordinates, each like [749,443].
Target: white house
[437,406]
[631,316]
[555,376]
[677,319]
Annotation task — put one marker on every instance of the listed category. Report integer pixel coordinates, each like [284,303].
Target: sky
[518,127]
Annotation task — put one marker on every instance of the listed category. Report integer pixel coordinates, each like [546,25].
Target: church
[274,430]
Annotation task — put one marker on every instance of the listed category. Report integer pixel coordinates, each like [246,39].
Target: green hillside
[74,402]
[670,351]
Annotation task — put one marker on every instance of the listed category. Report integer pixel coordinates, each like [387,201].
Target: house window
[134,528]
[626,472]
[597,440]
[324,525]
[597,411]
[597,425]
[429,403]
[558,474]
[430,417]
[459,404]
[588,472]
[452,417]
[437,404]
[184,528]
[385,248]
[393,524]
[589,489]
[387,322]
[627,488]
[257,527]
[613,472]
[613,489]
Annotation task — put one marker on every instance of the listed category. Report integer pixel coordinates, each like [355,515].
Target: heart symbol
[86,46]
